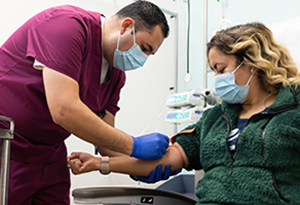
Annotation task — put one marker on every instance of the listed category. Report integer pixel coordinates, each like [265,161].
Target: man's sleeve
[58,42]
[119,82]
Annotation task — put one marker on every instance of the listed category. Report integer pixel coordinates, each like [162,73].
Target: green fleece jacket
[265,169]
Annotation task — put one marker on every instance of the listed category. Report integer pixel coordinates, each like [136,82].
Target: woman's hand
[83,162]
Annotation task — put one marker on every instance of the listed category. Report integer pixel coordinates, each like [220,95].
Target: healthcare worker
[60,73]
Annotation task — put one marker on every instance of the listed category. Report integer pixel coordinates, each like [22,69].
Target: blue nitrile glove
[156,175]
[151,146]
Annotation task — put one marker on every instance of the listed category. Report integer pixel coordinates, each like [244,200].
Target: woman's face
[221,63]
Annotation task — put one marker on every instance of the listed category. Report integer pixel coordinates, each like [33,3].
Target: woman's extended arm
[83,162]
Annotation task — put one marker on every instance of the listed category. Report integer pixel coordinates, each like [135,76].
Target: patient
[248,146]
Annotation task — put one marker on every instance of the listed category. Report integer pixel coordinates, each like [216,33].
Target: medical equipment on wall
[189,98]
[181,116]
[188,106]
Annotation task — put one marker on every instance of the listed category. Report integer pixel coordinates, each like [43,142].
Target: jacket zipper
[278,191]
[263,137]
[231,163]
[225,116]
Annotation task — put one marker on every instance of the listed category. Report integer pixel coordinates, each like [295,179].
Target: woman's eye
[221,71]
[143,49]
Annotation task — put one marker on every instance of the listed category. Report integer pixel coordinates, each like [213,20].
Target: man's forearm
[68,111]
[84,124]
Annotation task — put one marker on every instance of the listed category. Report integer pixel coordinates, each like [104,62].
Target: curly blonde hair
[254,44]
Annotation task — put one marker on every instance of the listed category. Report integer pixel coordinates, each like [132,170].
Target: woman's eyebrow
[216,64]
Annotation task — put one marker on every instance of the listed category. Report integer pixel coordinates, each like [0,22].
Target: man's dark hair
[146,16]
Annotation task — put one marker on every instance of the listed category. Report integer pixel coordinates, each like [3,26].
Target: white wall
[142,98]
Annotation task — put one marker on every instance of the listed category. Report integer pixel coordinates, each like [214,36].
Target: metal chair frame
[6,135]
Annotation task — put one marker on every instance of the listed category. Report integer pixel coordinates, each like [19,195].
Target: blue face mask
[131,59]
[229,91]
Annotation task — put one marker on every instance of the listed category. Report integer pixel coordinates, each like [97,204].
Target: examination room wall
[142,98]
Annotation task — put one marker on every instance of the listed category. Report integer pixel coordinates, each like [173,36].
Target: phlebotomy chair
[177,191]
[5,136]
[128,195]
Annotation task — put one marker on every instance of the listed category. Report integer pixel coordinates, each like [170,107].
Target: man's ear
[127,23]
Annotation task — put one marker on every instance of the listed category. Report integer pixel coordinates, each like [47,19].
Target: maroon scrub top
[68,40]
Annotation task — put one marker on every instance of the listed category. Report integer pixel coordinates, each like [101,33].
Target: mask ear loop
[118,41]
[238,67]
[133,33]
[250,77]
